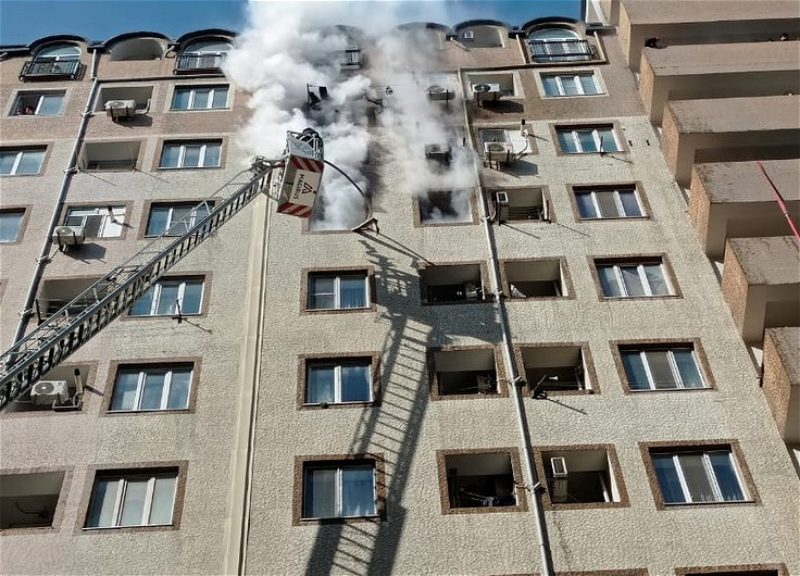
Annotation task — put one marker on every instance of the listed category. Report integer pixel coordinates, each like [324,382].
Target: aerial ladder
[65,331]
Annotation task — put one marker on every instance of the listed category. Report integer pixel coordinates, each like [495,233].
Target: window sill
[155,411]
[548,505]
[340,520]
[613,219]
[459,302]
[676,505]
[226,109]
[172,168]
[625,298]
[169,316]
[138,528]
[650,390]
[337,405]
[337,310]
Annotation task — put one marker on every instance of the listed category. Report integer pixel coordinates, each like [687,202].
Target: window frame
[575,129]
[308,360]
[19,155]
[562,93]
[183,145]
[731,446]
[419,200]
[151,365]
[617,264]
[120,211]
[22,224]
[192,90]
[698,354]
[147,214]
[499,369]
[337,273]
[615,189]
[303,464]
[17,109]
[181,281]
[736,570]
[133,471]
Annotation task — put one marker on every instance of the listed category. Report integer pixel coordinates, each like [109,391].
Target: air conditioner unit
[489,91]
[437,92]
[46,392]
[121,109]
[468,35]
[500,152]
[69,235]
[503,207]
[558,492]
[438,152]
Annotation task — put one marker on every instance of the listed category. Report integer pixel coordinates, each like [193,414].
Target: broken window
[29,500]
[535,278]
[444,207]
[480,480]
[451,283]
[460,372]
[576,476]
[555,369]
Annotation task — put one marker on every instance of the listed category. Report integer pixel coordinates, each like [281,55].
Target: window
[175,219]
[521,204]
[54,61]
[732,571]
[513,140]
[471,371]
[338,381]
[29,500]
[156,387]
[200,98]
[16,162]
[133,498]
[633,279]
[170,296]
[338,291]
[557,369]
[556,44]
[140,95]
[697,476]
[59,390]
[110,155]
[581,475]
[344,489]
[661,368]
[499,85]
[480,479]
[59,53]
[38,103]
[577,84]
[97,221]
[203,56]
[451,283]
[582,140]
[57,293]
[535,279]
[10,225]
[199,154]
[445,207]
[608,202]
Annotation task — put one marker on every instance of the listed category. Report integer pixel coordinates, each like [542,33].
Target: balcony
[729,130]
[735,200]
[51,70]
[198,63]
[761,284]
[781,381]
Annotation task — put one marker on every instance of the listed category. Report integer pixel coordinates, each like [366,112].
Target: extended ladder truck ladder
[74,324]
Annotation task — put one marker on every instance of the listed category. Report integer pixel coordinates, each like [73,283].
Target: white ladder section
[64,332]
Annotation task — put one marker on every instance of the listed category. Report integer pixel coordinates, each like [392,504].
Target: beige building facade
[582,362]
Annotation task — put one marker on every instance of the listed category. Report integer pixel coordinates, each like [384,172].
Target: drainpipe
[515,380]
[44,254]
[781,202]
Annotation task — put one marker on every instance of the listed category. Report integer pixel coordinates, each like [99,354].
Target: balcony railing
[55,69]
[564,50]
[190,63]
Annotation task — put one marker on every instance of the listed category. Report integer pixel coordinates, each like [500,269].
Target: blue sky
[22,21]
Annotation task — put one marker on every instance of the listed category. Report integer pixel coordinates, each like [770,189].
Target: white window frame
[595,133]
[710,476]
[171,221]
[182,146]
[337,293]
[673,366]
[43,56]
[576,76]
[165,390]
[111,223]
[643,280]
[119,500]
[598,215]
[192,90]
[18,160]
[20,212]
[336,365]
[181,283]
[339,485]
[40,96]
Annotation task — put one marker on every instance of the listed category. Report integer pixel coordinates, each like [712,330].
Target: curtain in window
[585,205]
[633,283]
[655,277]
[696,476]
[320,493]
[687,368]
[133,503]
[608,281]
[567,142]
[352,292]
[322,293]
[608,205]
[725,473]
[355,383]
[320,384]
[630,203]
[635,370]
[588,83]
[163,500]
[50,104]
[358,490]
[31,162]
[125,391]
[152,391]
[192,297]
[661,369]
[180,384]
[167,301]
[102,506]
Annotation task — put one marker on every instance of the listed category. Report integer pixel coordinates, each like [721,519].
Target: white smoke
[290,46]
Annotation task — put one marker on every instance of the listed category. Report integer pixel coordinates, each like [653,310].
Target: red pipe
[780,201]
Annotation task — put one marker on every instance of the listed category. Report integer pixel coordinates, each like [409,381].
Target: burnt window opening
[555,369]
[483,480]
[457,283]
[580,477]
[464,372]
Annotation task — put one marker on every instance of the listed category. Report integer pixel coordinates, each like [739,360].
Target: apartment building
[580,358]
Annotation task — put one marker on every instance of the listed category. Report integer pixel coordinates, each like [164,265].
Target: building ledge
[781,380]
